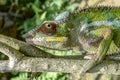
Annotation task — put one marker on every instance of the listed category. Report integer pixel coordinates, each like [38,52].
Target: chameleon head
[46,35]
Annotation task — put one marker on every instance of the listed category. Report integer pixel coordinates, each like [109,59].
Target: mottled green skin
[94,39]
[91,14]
[85,16]
[97,39]
[70,24]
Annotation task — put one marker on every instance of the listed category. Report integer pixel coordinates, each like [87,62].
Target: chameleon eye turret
[48,28]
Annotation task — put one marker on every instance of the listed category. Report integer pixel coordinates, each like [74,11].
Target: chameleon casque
[95,30]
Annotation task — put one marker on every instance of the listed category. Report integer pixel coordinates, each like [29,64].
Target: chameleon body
[96,30]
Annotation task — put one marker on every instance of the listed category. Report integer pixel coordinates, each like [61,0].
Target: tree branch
[59,65]
[23,47]
[14,55]
[15,49]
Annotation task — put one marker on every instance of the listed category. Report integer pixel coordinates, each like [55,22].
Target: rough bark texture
[18,52]
[58,65]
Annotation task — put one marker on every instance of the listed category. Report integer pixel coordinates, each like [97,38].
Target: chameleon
[93,30]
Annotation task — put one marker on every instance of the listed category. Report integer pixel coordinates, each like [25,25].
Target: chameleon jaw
[49,42]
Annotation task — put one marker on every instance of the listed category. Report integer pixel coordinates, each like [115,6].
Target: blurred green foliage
[43,76]
[44,10]
[22,76]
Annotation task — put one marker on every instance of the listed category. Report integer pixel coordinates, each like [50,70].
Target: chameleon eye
[48,26]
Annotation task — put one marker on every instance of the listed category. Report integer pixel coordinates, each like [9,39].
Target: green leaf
[40,18]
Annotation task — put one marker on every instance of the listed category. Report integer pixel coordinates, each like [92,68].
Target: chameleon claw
[89,64]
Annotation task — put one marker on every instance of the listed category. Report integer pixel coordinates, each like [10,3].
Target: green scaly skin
[95,30]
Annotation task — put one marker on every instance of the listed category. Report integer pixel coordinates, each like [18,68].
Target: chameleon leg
[101,52]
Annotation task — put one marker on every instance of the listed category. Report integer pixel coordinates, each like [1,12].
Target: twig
[14,55]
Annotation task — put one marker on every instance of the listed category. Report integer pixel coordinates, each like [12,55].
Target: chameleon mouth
[59,39]
[49,42]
